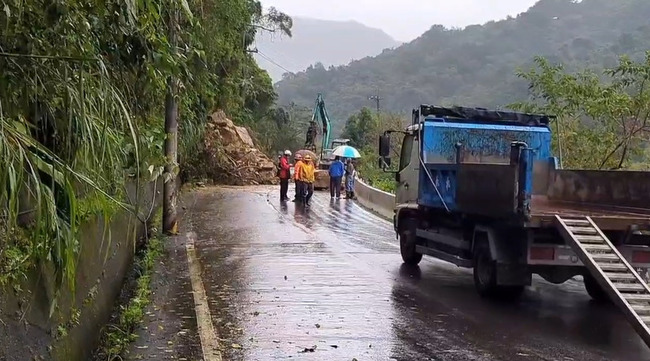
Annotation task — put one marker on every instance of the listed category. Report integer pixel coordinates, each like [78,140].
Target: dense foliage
[603,118]
[476,66]
[82,85]
[363,129]
[282,128]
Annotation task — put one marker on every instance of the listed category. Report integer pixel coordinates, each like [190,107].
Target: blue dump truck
[481,189]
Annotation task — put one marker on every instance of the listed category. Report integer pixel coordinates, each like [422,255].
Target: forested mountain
[476,66]
[313,41]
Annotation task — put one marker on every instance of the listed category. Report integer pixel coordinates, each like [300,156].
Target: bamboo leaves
[81,89]
[186,9]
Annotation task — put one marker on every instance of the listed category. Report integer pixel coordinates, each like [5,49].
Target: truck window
[407,147]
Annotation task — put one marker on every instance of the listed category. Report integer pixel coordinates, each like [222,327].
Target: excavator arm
[320,116]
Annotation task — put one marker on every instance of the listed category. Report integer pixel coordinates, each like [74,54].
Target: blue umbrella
[346,151]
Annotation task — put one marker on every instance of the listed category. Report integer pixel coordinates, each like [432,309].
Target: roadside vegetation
[363,129]
[603,117]
[82,86]
[119,335]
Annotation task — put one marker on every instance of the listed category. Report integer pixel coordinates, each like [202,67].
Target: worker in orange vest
[307,177]
[296,178]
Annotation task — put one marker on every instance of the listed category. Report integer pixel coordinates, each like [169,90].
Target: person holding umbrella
[348,152]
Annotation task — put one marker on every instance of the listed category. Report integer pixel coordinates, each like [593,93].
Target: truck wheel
[485,272]
[594,290]
[407,242]
[485,277]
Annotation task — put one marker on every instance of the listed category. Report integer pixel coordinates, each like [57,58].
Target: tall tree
[360,127]
[603,118]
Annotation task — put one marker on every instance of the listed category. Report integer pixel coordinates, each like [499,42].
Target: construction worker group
[304,177]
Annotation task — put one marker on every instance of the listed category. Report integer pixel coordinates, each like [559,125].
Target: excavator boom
[320,116]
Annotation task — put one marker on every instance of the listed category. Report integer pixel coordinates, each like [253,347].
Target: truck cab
[406,177]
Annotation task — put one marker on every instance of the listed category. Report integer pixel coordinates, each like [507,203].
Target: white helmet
[287,152]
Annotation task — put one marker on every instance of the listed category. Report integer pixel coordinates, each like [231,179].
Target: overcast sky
[404,20]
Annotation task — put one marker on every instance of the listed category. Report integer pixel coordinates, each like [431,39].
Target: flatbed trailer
[543,213]
[481,189]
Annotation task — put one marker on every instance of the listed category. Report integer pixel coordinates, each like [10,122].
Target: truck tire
[408,241]
[594,290]
[485,271]
[485,277]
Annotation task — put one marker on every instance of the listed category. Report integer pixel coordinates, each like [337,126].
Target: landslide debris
[231,156]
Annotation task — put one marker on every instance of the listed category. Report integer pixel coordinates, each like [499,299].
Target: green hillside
[476,66]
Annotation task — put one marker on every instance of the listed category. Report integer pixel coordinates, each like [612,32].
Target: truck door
[407,174]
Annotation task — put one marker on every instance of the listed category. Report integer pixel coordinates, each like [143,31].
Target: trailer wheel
[408,241]
[594,290]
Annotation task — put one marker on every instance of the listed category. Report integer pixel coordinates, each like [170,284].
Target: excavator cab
[327,158]
[339,142]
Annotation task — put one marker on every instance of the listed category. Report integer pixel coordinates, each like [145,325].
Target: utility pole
[246,52]
[170,222]
[376,98]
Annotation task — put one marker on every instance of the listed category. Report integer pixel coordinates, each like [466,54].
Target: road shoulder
[169,330]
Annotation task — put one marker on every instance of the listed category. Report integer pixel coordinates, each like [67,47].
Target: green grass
[374,176]
[119,336]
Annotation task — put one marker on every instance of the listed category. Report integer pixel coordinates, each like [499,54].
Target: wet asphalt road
[281,280]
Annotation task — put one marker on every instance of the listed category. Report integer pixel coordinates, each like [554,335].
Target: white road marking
[207,332]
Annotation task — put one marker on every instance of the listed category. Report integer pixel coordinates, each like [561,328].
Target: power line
[273,62]
[282,57]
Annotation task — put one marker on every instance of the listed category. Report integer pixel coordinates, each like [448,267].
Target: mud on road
[327,283]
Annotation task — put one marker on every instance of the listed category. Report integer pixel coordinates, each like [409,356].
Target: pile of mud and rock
[231,155]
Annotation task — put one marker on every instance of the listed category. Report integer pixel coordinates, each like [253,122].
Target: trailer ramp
[610,269]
